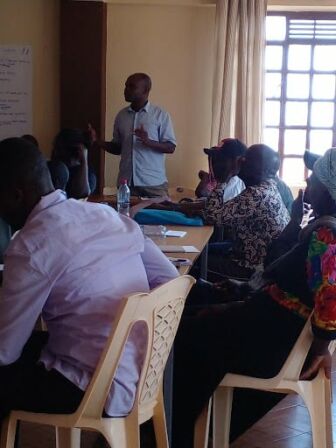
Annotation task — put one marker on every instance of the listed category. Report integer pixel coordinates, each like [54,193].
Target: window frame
[284,71]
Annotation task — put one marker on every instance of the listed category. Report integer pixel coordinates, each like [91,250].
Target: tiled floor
[286,426]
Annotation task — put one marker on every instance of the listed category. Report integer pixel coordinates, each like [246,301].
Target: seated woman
[256,337]
[70,148]
[252,219]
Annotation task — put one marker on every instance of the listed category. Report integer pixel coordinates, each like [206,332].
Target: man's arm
[78,185]
[318,357]
[113,147]
[166,142]
[188,208]
[162,147]
[23,295]
[158,268]
[202,190]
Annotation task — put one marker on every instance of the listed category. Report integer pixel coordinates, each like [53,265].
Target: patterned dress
[320,267]
[252,220]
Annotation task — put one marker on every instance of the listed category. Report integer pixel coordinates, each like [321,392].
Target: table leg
[204,263]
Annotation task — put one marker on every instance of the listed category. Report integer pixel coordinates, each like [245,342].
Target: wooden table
[196,236]
[111,199]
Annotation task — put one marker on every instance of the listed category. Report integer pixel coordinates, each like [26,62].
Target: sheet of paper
[178,233]
[15,90]
[185,249]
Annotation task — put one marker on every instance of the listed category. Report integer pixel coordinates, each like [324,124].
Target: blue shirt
[140,163]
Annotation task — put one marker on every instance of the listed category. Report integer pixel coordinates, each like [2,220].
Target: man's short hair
[144,77]
[21,162]
[274,160]
[31,139]
[270,159]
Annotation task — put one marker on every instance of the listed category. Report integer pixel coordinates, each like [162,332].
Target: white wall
[174,45]
[36,23]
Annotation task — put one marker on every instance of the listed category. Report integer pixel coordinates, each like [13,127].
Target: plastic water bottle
[123,198]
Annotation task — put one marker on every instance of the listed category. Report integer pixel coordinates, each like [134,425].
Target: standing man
[142,135]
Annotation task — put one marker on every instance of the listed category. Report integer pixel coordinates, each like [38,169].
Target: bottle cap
[123,181]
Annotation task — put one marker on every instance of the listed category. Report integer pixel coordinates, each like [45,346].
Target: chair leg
[159,422]
[222,407]
[201,432]
[317,396]
[68,437]
[8,432]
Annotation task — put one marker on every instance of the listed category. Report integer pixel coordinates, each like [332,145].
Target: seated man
[252,219]
[70,149]
[71,262]
[284,190]
[223,170]
[256,337]
[224,165]
[58,170]
[300,215]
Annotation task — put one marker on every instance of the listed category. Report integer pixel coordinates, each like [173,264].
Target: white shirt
[232,188]
[142,164]
[73,261]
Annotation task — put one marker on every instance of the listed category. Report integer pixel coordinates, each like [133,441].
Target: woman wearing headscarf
[256,337]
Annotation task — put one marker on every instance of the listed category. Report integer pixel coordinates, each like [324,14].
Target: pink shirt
[72,262]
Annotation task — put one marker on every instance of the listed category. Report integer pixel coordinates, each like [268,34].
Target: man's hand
[203,175]
[141,134]
[92,134]
[318,357]
[316,363]
[82,154]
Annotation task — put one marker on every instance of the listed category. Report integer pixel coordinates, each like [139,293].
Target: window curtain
[239,70]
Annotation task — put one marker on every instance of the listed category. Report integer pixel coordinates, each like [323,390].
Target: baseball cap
[230,147]
[309,159]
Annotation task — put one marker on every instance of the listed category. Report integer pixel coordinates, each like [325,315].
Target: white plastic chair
[160,310]
[316,394]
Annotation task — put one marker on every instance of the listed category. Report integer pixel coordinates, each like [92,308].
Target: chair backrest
[160,311]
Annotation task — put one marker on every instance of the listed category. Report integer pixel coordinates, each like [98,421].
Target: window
[300,88]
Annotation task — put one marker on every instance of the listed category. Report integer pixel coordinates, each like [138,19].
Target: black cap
[309,159]
[231,147]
